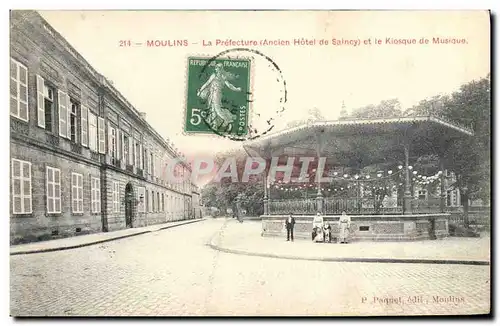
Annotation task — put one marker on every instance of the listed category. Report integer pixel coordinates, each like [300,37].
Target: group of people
[321,231]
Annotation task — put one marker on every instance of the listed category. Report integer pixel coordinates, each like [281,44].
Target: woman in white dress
[212,91]
[317,234]
[344,225]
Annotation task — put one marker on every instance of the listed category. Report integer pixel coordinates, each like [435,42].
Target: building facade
[83,159]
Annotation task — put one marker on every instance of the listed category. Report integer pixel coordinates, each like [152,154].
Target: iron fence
[369,206]
[294,206]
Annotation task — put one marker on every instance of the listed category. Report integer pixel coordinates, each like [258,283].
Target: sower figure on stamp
[212,91]
[344,225]
[289,223]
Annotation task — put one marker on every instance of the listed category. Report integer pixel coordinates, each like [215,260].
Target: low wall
[366,227]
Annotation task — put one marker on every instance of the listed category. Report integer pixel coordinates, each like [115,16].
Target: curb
[173,226]
[353,260]
[37,251]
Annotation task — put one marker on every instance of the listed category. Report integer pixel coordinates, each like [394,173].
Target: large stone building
[83,159]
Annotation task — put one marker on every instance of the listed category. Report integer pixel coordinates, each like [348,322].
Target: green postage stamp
[218,92]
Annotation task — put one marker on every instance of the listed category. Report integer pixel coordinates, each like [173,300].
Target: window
[75,107]
[141,193]
[53,190]
[153,207]
[76,193]
[45,103]
[151,167]
[130,151]
[64,114]
[21,187]
[135,159]
[49,108]
[147,200]
[95,193]
[137,155]
[422,194]
[116,197]
[18,90]
[118,144]
[84,126]
[93,132]
[112,141]
[146,157]
[162,202]
[101,135]
[140,157]
[125,155]
[158,202]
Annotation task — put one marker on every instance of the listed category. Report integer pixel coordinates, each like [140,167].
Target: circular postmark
[229,107]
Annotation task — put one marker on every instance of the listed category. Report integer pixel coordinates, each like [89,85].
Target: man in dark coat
[289,223]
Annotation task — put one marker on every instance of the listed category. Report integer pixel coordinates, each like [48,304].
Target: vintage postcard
[250,163]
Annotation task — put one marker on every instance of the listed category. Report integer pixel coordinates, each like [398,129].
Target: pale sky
[154,79]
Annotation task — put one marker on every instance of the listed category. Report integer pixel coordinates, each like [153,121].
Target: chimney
[143,115]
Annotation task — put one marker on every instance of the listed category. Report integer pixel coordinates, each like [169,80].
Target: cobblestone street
[174,272]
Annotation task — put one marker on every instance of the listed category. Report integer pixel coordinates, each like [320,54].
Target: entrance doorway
[129,201]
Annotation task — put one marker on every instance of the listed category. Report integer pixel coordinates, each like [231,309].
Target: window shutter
[85,126]
[157,166]
[131,148]
[118,143]
[102,135]
[148,161]
[122,140]
[80,193]
[134,148]
[63,114]
[93,140]
[68,117]
[141,157]
[40,100]
[109,138]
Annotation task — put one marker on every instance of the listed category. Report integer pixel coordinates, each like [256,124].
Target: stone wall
[366,228]
[45,53]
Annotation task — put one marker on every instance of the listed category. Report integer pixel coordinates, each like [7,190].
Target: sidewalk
[91,239]
[245,238]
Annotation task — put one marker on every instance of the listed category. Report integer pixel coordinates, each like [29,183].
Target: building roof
[104,82]
[343,138]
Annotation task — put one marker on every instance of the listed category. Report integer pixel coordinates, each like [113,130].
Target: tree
[222,194]
[385,109]
[313,115]
[428,106]
[469,158]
